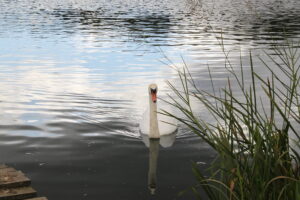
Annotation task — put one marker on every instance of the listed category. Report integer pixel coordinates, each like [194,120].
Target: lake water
[74,77]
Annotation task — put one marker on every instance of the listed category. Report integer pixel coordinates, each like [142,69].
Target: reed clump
[255,134]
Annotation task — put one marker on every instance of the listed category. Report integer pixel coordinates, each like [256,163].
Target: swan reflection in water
[153,156]
[153,145]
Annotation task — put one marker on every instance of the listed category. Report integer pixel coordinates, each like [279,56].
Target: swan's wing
[166,124]
[167,140]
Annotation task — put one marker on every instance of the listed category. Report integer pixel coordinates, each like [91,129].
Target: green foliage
[255,136]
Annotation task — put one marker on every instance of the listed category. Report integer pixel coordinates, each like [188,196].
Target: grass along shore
[257,140]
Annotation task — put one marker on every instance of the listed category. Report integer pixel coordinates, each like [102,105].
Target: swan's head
[153,92]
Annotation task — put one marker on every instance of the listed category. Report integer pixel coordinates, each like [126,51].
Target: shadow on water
[253,21]
[111,167]
[257,26]
[139,27]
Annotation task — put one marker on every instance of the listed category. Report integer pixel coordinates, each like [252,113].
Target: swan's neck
[154,132]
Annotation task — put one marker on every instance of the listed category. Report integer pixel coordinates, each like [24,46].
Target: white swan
[153,123]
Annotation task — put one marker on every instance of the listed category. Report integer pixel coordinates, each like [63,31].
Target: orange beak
[154,97]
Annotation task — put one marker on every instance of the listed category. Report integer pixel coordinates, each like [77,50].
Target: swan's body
[153,123]
[163,127]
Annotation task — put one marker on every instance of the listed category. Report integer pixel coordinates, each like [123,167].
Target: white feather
[166,125]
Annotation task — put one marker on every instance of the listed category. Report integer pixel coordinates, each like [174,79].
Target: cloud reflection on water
[75,61]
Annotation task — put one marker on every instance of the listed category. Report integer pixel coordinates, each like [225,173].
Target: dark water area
[74,77]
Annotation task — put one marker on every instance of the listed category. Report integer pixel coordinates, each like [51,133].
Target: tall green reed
[254,133]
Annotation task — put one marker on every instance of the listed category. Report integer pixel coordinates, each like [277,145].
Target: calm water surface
[74,76]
